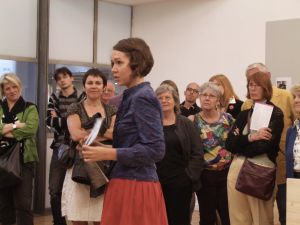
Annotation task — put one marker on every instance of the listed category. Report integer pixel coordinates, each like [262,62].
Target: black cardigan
[239,143]
[192,147]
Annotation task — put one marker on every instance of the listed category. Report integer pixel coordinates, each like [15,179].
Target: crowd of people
[159,154]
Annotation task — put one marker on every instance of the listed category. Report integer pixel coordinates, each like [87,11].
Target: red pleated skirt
[131,202]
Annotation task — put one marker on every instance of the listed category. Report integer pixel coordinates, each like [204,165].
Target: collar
[9,116]
[74,94]
[193,106]
[135,88]
[232,100]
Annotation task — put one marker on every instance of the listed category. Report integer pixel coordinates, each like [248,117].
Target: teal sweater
[31,119]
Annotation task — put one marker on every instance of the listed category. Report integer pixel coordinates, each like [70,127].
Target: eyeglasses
[253,86]
[209,96]
[192,90]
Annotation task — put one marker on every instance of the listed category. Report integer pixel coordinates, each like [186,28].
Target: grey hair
[168,88]
[260,66]
[211,86]
[295,88]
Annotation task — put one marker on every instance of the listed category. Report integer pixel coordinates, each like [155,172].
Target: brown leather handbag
[256,180]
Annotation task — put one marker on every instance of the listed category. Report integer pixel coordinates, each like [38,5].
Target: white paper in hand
[94,131]
[261,116]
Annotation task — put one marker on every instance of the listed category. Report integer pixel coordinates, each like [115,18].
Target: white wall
[192,40]
[18,24]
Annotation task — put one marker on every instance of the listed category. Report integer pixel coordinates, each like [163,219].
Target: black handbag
[11,166]
[92,173]
[66,154]
[256,180]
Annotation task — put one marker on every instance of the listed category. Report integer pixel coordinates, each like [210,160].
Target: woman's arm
[108,135]
[74,126]
[29,125]
[196,160]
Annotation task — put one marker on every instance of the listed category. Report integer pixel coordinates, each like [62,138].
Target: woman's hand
[19,124]
[98,153]
[262,134]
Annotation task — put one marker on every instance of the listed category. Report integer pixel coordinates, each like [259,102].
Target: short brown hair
[262,80]
[140,56]
[94,73]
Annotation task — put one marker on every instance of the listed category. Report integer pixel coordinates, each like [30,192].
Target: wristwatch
[14,126]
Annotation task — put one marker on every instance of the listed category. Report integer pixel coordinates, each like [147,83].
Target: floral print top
[213,136]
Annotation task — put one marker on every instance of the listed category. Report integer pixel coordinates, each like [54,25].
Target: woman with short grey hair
[180,169]
[213,126]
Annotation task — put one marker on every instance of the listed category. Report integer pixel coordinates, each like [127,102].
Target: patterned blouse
[213,136]
[296,150]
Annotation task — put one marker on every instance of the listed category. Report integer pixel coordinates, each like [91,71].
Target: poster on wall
[284,82]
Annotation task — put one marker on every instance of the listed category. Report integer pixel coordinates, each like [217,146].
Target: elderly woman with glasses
[214,127]
[257,146]
[181,167]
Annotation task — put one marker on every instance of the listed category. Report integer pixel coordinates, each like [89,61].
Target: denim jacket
[138,135]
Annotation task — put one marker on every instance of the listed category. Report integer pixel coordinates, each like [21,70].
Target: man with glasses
[189,106]
[282,99]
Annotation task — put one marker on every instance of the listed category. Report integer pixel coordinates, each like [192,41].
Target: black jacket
[192,147]
[239,143]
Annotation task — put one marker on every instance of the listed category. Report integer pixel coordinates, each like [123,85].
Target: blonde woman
[293,138]
[19,121]
[229,101]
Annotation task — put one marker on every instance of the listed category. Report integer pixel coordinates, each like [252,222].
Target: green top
[31,118]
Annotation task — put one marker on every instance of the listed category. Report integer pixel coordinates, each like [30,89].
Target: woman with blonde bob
[180,169]
[293,138]
[229,101]
[19,122]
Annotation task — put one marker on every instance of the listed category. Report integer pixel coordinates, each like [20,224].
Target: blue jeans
[281,203]
[56,179]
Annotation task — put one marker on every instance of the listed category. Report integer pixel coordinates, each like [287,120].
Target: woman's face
[121,69]
[255,91]
[167,102]
[296,105]
[208,100]
[216,82]
[93,87]
[11,91]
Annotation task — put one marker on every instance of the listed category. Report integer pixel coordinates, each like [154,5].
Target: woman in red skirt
[133,195]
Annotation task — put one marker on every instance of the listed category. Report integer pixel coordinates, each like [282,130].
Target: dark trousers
[212,197]
[281,203]
[15,202]
[178,202]
[56,179]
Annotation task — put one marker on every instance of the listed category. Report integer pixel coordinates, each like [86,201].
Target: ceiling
[133,2]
